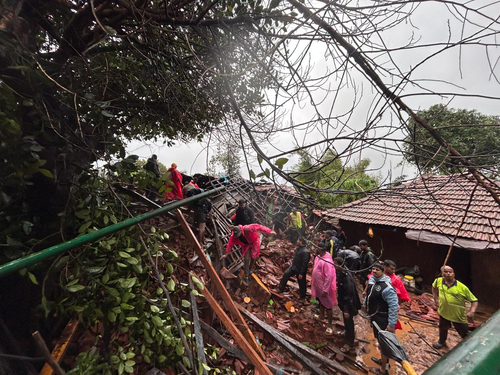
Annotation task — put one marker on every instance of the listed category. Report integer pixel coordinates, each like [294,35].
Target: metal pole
[19,264]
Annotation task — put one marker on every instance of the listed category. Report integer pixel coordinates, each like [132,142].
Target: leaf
[110,30]
[111,316]
[84,227]
[94,270]
[185,303]
[123,254]
[157,321]
[32,278]
[171,285]
[274,4]
[252,175]
[281,162]
[132,260]
[107,114]
[82,213]
[46,173]
[198,283]
[126,306]
[75,288]
[179,349]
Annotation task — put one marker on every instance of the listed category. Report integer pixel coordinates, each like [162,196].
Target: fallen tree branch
[46,353]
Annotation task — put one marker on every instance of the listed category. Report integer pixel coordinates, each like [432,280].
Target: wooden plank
[228,301]
[197,330]
[281,337]
[236,352]
[305,361]
[61,346]
[233,350]
[237,335]
[42,347]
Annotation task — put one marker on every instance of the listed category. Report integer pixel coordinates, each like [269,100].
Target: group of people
[173,183]
[175,191]
[334,268]
[333,283]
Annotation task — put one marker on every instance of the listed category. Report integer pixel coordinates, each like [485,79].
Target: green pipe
[478,353]
[19,264]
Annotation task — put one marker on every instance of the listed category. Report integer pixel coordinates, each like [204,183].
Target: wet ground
[416,336]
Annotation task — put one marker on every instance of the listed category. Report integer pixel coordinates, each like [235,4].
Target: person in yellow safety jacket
[296,225]
[331,242]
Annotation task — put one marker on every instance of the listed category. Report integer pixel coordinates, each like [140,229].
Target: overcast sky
[466,68]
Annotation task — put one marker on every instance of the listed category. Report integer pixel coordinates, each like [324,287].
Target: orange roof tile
[433,203]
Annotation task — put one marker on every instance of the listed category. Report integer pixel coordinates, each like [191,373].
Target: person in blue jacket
[381,303]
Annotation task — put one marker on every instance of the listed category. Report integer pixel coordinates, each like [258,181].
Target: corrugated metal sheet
[433,203]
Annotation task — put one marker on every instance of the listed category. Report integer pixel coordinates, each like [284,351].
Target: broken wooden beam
[273,332]
[288,342]
[46,353]
[197,331]
[237,335]
[228,301]
[237,352]
[62,344]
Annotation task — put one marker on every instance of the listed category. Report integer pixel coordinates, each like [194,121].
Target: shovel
[392,348]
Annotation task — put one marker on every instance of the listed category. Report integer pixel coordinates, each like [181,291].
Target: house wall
[476,269]
[485,276]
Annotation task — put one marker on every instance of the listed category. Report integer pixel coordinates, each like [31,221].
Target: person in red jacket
[389,270]
[175,183]
[247,236]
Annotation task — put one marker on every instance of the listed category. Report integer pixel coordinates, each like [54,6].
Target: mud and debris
[286,314]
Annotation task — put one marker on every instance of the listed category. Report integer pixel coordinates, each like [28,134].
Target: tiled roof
[272,187]
[432,203]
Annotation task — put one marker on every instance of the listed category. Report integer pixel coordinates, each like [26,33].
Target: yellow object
[289,306]
[296,219]
[246,299]
[370,231]
[408,368]
[408,277]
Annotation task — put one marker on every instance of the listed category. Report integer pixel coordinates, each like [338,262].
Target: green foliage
[226,160]
[72,93]
[107,282]
[22,160]
[330,174]
[472,134]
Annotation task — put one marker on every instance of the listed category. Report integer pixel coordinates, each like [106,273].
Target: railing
[478,353]
[29,260]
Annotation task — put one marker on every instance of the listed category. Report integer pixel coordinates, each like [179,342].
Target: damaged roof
[431,203]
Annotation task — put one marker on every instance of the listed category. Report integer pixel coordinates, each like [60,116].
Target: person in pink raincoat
[324,284]
[176,179]
[247,236]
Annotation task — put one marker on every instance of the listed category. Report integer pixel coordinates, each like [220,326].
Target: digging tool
[392,348]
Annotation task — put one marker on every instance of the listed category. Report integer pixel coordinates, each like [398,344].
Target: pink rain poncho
[324,280]
[251,233]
